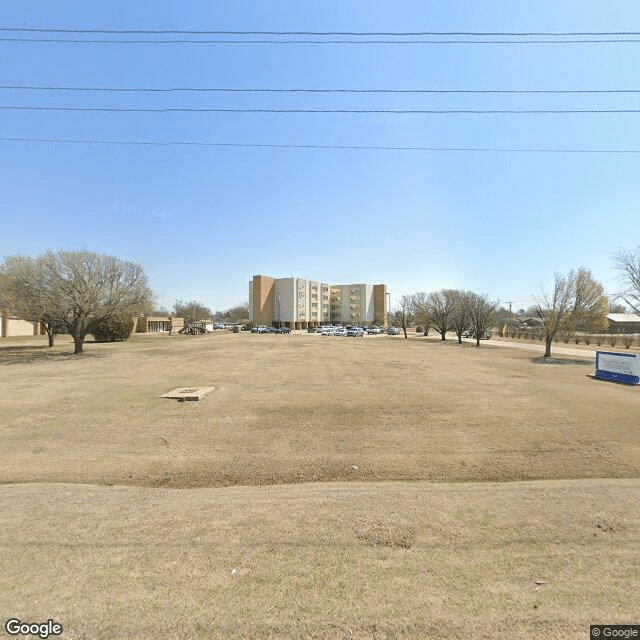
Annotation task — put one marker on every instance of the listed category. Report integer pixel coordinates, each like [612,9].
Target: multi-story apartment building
[299,303]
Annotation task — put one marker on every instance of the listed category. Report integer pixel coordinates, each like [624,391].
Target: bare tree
[403,314]
[617,308]
[23,294]
[460,316]
[576,297]
[234,315]
[503,318]
[483,314]
[160,311]
[73,289]
[434,310]
[627,263]
[192,311]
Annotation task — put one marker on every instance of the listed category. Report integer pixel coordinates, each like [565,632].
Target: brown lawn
[407,536]
[540,559]
[306,408]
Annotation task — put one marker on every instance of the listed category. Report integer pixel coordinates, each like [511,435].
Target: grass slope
[351,560]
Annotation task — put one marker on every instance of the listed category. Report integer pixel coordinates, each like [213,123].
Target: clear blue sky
[203,220]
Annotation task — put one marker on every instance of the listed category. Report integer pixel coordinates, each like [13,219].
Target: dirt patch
[562,361]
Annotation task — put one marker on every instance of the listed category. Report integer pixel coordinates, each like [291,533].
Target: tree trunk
[404,328]
[51,334]
[442,334]
[547,352]
[78,341]
[459,334]
[477,340]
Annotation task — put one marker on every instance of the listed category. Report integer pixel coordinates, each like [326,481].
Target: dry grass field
[307,408]
[417,490]
[345,560]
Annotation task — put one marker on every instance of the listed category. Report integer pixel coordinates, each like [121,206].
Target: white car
[374,330]
[328,331]
[340,331]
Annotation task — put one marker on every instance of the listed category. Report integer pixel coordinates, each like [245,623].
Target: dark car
[283,330]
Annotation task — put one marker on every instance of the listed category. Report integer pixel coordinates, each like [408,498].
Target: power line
[629,40]
[337,111]
[324,33]
[189,143]
[318,90]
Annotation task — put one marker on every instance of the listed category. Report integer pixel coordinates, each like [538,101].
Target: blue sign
[620,367]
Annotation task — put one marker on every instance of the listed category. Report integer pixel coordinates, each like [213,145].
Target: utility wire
[311,90]
[188,143]
[324,33]
[342,111]
[626,40]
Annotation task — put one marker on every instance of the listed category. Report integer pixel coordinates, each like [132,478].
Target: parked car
[283,330]
[393,331]
[247,327]
[374,330]
[264,329]
[355,332]
[328,331]
[311,330]
[340,331]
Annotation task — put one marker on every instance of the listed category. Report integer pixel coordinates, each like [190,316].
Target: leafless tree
[73,289]
[627,263]
[483,314]
[617,308]
[576,297]
[23,293]
[403,315]
[460,317]
[192,311]
[434,310]
[234,315]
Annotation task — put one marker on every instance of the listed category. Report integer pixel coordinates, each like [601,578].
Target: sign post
[620,367]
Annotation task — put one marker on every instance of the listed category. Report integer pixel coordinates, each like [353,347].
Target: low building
[623,323]
[299,303]
[11,327]
[151,324]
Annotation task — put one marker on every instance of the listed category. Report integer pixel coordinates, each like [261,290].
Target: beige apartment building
[299,303]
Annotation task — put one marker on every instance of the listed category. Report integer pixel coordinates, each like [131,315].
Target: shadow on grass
[28,354]
[560,361]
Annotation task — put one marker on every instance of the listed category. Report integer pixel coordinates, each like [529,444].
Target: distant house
[151,324]
[623,323]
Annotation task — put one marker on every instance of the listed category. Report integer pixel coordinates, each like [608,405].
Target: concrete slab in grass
[187,393]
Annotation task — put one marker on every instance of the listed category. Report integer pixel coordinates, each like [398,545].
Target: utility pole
[509,302]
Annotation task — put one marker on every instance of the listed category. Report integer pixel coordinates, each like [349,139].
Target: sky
[202,220]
